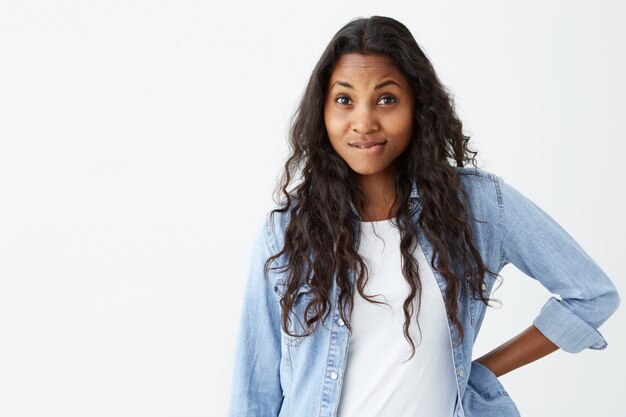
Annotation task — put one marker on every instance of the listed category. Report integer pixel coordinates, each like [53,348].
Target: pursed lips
[363,144]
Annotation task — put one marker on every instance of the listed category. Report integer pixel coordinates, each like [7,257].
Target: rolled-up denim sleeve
[255,387]
[538,246]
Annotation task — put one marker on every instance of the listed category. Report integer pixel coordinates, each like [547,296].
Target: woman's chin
[366,171]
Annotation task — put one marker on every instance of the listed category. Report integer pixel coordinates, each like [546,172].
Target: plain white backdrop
[140,142]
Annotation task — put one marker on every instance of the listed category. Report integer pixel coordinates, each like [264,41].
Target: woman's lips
[369,147]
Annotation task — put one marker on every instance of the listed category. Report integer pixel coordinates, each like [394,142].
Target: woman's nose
[364,120]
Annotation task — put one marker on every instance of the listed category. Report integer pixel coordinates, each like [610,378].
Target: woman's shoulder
[275,222]
[481,184]
[472,173]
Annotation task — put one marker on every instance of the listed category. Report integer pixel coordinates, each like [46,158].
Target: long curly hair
[319,241]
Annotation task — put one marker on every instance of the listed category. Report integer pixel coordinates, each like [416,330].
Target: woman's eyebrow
[342,83]
[376,87]
[386,83]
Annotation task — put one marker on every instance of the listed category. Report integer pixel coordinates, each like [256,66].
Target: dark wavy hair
[319,239]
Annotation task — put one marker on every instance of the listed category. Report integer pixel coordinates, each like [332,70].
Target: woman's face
[368,113]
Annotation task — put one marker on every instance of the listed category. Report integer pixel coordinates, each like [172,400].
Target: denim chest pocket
[296,319]
[485,396]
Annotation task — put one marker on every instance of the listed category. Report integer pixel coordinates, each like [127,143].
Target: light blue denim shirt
[279,375]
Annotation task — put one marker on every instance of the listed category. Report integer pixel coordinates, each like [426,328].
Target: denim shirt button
[461,373]
[484,286]
[340,322]
[333,375]
[410,205]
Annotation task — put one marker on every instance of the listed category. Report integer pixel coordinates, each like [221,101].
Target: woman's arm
[255,387]
[585,297]
[539,247]
[526,347]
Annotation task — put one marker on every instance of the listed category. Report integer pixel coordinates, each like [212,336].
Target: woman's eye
[387,100]
[343,100]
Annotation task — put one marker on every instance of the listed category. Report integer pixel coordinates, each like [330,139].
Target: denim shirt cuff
[566,330]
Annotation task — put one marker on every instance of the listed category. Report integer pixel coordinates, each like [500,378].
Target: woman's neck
[380,197]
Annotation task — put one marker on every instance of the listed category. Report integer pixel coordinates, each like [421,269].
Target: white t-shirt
[376,381]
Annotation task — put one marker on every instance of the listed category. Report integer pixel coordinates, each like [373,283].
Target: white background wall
[140,142]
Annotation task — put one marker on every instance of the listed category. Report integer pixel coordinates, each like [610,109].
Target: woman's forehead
[365,68]
[354,60]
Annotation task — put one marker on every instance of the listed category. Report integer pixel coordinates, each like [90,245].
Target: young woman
[369,282]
